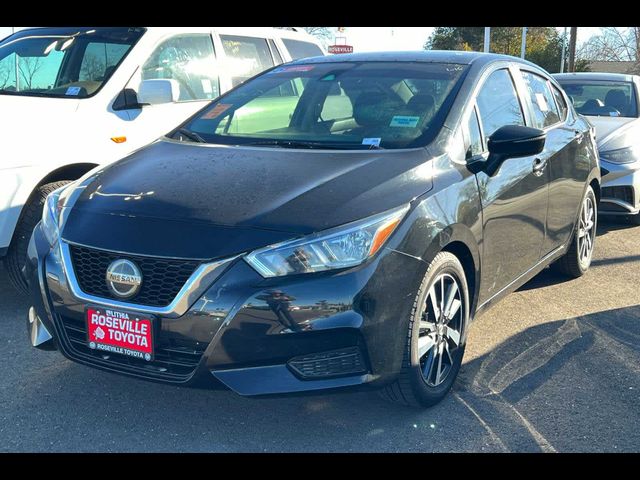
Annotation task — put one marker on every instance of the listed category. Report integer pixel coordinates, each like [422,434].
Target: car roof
[602,76]
[269,32]
[426,56]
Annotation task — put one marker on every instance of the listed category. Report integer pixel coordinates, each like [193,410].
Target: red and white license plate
[115,331]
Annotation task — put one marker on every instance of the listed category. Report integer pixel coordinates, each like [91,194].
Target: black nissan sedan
[332,222]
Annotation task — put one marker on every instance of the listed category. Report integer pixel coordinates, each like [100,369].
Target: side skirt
[522,279]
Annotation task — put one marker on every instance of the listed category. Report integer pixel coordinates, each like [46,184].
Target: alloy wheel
[440,329]
[586,231]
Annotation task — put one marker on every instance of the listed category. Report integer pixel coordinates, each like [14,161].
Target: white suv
[74,98]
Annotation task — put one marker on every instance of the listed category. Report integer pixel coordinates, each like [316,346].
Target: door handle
[538,166]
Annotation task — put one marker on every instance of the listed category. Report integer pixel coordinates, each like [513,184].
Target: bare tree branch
[32,65]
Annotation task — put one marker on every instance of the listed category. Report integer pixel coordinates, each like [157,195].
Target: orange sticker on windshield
[216,111]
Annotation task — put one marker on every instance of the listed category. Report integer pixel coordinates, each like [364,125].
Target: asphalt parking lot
[553,367]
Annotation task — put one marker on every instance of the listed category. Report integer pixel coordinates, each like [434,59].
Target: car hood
[608,128]
[203,201]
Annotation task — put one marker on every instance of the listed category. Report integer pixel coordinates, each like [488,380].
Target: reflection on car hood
[202,201]
[606,126]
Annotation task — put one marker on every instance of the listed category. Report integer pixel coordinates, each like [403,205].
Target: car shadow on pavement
[608,224]
[566,385]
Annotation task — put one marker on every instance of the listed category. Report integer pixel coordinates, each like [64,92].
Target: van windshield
[341,105]
[65,63]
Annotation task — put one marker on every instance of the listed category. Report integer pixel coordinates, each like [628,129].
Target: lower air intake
[334,363]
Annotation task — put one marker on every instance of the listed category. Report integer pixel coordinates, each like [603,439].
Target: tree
[613,45]
[31,66]
[544,44]
[321,33]
[93,67]
[5,76]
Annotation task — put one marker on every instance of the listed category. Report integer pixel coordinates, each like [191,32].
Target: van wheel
[436,336]
[577,260]
[31,215]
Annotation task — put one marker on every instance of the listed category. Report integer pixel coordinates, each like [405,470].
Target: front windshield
[346,105]
[602,98]
[68,65]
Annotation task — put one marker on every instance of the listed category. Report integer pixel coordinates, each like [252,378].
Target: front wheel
[577,260]
[31,214]
[436,336]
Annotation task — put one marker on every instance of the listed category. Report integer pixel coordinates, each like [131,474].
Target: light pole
[523,47]
[487,38]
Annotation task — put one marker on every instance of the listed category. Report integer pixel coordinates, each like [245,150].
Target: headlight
[341,247]
[622,155]
[51,216]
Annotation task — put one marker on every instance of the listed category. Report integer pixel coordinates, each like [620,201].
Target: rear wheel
[577,260]
[31,214]
[435,339]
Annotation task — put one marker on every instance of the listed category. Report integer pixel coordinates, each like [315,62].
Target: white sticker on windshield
[73,91]
[614,114]
[542,102]
[206,86]
[371,141]
[404,121]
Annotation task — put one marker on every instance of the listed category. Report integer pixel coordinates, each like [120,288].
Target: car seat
[618,100]
[373,112]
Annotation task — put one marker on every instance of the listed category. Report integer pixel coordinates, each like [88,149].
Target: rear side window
[189,60]
[498,103]
[246,56]
[545,111]
[299,49]
[562,105]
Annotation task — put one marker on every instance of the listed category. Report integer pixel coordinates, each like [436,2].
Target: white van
[72,98]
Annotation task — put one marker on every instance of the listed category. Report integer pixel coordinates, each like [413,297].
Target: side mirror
[512,141]
[158,91]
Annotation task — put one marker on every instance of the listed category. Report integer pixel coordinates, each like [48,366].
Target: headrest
[374,109]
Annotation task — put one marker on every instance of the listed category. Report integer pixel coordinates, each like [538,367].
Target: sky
[366,39]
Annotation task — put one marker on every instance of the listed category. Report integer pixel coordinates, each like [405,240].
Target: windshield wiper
[313,144]
[193,136]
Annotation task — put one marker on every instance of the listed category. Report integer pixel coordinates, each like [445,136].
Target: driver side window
[191,61]
[498,103]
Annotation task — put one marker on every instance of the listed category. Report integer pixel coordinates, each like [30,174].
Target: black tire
[29,218]
[411,387]
[572,263]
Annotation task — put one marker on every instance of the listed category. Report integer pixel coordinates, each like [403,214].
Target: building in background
[629,67]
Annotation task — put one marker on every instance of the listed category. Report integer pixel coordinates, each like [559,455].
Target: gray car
[611,103]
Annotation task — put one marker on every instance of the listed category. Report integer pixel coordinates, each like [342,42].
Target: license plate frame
[136,337]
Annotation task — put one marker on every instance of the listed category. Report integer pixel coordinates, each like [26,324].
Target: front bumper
[620,188]
[258,336]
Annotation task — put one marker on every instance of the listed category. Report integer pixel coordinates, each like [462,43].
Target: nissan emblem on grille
[123,278]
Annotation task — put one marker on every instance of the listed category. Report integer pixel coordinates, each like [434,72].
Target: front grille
[624,194]
[162,278]
[345,361]
[174,359]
